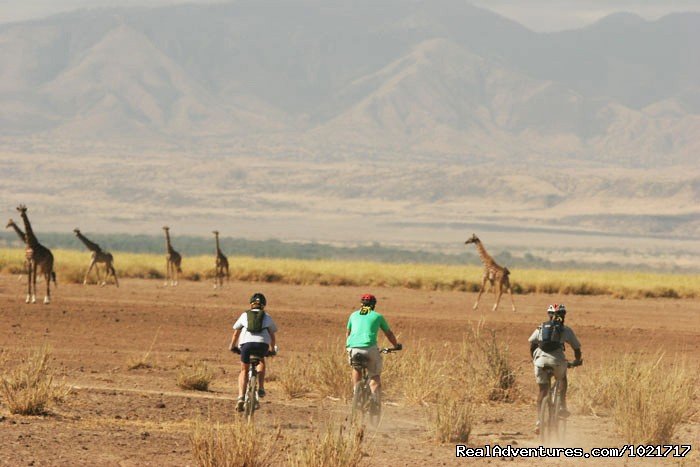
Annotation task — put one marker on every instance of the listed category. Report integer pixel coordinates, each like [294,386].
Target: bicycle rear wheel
[375,408]
[559,421]
[546,420]
[251,397]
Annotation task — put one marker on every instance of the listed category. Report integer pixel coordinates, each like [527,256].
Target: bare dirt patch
[121,416]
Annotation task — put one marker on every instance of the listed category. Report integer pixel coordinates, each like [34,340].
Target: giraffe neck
[30,238]
[19,232]
[167,241]
[483,255]
[90,246]
[218,250]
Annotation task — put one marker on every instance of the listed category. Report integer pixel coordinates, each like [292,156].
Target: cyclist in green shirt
[362,329]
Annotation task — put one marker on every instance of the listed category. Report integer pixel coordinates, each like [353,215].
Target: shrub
[196,376]
[236,444]
[647,397]
[29,387]
[452,419]
[338,447]
[293,377]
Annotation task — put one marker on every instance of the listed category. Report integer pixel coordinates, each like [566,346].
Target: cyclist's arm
[272,339]
[577,354]
[533,347]
[234,339]
[392,338]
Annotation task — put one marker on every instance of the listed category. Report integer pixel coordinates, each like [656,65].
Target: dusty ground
[117,416]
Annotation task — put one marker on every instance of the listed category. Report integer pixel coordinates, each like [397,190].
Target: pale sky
[539,15]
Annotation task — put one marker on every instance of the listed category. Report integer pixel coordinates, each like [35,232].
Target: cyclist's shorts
[253,348]
[374,358]
[540,372]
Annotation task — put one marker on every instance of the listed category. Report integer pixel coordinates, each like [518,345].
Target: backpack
[551,334]
[255,320]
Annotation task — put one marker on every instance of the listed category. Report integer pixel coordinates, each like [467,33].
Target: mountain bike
[552,424]
[251,400]
[364,403]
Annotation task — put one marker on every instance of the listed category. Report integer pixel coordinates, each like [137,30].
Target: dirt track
[140,417]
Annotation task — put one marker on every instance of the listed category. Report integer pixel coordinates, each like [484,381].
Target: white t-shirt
[262,336]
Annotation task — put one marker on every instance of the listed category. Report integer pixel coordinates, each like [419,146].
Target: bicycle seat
[255,359]
[359,360]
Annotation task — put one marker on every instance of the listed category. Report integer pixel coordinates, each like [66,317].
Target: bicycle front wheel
[251,397]
[559,421]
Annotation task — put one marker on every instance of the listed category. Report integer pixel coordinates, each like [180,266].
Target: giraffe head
[76,230]
[22,208]
[166,228]
[472,239]
[215,232]
[10,223]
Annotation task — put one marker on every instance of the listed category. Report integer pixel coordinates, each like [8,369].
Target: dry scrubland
[143,372]
[71,266]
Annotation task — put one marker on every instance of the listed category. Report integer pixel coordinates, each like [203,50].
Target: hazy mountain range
[445,109]
[422,76]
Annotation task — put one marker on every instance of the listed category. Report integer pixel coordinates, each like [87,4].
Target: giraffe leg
[498,291]
[47,278]
[167,272]
[510,292]
[29,283]
[483,284]
[92,265]
[114,274]
[34,270]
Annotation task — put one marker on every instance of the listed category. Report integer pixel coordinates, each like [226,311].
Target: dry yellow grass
[71,266]
[237,444]
[647,396]
[29,387]
[196,376]
[339,446]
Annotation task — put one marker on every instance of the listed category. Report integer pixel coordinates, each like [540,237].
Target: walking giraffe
[493,273]
[98,256]
[39,258]
[221,264]
[173,259]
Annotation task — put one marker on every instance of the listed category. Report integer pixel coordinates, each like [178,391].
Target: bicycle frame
[251,401]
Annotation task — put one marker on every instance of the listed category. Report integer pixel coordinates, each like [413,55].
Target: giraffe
[20,234]
[493,273]
[172,260]
[221,264]
[98,256]
[39,258]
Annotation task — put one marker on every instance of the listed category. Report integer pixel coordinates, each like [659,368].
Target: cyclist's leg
[356,373]
[542,378]
[374,369]
[563,385]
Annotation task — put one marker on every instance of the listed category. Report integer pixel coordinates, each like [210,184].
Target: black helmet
[258,297]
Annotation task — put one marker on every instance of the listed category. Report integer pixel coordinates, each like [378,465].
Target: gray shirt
[567,336]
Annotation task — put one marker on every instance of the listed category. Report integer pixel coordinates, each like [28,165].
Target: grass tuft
[196,376]
[29,387]
[236,444]
[338,446]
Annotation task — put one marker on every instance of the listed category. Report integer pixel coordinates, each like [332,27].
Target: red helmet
[368,300]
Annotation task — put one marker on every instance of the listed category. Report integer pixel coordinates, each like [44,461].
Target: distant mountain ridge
[424,76]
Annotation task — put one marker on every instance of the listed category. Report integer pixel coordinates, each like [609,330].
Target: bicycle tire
[250,397]
[559,428]
[374,407]
[358,400]
[545,417]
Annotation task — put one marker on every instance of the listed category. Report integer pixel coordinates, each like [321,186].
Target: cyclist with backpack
[362,329]
[547,350]
[254,333]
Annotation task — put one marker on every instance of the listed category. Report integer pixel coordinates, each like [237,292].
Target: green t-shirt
[364,328]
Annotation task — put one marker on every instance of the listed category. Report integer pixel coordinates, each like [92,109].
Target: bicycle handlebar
[390,350]
[574,364]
